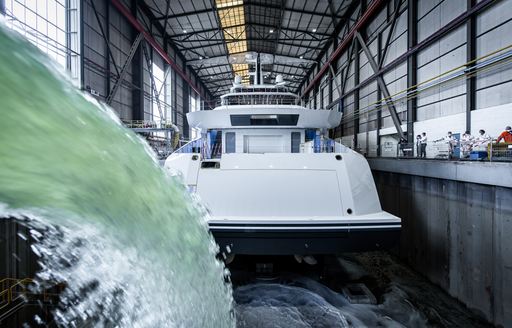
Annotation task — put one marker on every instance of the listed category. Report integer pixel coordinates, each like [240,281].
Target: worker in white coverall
[450,140]
[481,141]
[466,144]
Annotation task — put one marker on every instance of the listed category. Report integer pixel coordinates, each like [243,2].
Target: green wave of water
[66,158]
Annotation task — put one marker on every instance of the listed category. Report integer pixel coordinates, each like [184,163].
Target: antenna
[238,80]
[280,80]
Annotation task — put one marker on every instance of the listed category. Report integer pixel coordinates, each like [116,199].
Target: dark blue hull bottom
[304,241]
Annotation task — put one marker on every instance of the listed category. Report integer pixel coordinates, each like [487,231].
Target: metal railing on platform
[14,290]
[148,124]
[442,150]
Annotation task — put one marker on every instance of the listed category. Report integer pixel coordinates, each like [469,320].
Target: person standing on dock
[423,145]
[451,141]
[481,141]
[505,135]
[466,143]
[418,145]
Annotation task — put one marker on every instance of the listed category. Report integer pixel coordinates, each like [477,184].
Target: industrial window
[194,105]
[158,111]
[52,26]
[230,142]
[295,142]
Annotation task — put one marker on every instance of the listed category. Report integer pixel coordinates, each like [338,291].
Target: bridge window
[295,142]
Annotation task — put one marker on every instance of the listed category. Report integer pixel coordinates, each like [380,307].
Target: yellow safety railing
[14,289]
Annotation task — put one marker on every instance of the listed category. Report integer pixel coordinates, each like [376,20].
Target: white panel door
[258,144]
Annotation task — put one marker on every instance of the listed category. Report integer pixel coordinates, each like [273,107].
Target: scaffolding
[163,137]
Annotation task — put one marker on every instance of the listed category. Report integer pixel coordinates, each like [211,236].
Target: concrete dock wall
[457,233]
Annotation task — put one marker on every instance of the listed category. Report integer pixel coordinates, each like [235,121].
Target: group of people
[468,142]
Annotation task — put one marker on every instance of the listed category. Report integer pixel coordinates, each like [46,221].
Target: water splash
[302,302]
[126,238]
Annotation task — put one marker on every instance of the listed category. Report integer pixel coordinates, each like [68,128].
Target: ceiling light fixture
[301,57]
[184,31]
[271,31]
[314,30]
[200,57]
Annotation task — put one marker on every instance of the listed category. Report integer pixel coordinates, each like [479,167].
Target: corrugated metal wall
[364,124]
[98,66]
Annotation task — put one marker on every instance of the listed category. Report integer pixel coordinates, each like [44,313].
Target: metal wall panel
[493,33]
[438,16]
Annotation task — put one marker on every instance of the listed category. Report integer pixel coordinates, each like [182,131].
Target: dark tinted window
[295,142]
[268,120]
[230,142]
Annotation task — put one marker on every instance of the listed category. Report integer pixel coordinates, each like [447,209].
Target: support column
[412,67]
[82,42]
[107,41]
[356,93]
[380,56]
[470,55]
[137,74]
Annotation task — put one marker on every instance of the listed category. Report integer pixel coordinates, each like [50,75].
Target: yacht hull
[306,239]
[291,203]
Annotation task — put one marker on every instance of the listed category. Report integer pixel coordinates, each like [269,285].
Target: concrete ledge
[495,174]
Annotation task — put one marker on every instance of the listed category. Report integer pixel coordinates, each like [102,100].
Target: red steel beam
[370,11]
[136,24]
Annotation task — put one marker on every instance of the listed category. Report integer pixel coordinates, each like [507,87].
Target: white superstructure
[273,183]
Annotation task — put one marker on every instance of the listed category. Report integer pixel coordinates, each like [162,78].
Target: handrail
[180,150]
[19,283]
[3,303]
[8,292]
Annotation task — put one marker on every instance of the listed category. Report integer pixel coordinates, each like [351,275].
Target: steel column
[137,74]
[382,85]
[470,55]
[412,67]
[356,92]
[82,45]
[107,42]
[380,57]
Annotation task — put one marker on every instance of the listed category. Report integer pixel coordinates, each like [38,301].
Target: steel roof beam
[195,61]
[220,42]
[248,24]
[248,3]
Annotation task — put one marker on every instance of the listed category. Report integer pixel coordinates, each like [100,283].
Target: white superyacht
[273,183]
